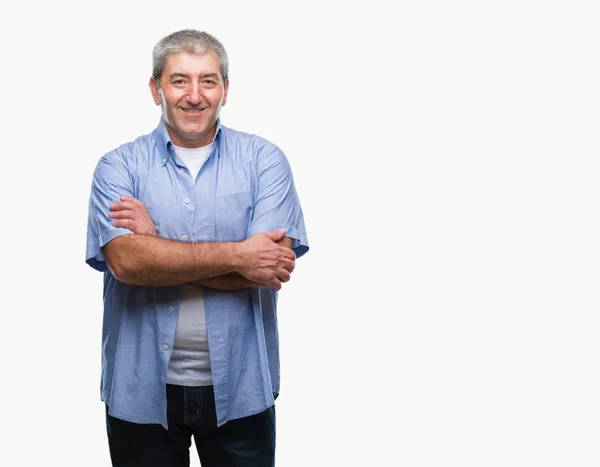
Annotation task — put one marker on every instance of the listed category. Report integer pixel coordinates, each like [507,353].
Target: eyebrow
[211,75]
[177,75]
[183,75]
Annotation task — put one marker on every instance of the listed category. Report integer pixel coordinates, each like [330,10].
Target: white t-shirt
[190,360]
[194,158]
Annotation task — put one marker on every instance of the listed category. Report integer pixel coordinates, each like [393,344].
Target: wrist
[235,256]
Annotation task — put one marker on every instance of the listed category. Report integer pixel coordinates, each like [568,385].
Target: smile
[193,111]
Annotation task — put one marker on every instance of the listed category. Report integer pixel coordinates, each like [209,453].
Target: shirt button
[171,309]
[165,347]
[182,170]
[185,237]
[187,201]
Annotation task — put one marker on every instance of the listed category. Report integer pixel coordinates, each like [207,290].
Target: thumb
[276,235]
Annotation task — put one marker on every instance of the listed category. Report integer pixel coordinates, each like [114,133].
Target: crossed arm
[263,260]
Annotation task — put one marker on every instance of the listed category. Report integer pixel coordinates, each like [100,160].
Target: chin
[193,129]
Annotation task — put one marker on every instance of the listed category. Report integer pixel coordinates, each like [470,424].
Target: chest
[217,207]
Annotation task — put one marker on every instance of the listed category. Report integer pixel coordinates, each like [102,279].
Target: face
[191,93]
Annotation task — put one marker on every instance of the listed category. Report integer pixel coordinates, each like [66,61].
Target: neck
[193,142]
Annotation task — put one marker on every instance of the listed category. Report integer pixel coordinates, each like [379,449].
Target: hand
[262,260]
[132,214]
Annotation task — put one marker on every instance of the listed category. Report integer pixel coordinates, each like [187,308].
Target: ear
[154,91]
[225,93]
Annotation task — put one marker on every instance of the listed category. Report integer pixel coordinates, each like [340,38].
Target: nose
[194,96]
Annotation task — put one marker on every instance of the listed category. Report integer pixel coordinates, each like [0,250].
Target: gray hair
[189,41]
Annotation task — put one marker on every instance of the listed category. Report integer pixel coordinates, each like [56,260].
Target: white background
[446,158]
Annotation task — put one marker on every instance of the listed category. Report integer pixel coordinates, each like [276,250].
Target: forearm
[235,281]
[228,282]
[149,260]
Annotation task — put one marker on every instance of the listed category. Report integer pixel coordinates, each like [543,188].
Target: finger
[127,214]
[123,205]
[125,223]
[288,264]
[122,210]
[133,200]
[288,253]
[284,275]
[272,280]
[276,235]
[128,198]
[276,284]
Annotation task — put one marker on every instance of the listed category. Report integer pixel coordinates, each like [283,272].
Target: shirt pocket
[232,216]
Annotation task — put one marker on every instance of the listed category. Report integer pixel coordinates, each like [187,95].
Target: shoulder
[248,144]
[131,153]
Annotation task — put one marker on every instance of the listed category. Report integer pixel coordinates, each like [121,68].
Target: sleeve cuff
[300,243]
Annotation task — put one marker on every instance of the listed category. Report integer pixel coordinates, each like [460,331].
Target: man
[195,226]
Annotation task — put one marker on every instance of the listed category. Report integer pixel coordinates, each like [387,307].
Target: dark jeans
[245,442]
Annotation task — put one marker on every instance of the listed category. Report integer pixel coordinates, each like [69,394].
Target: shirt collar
[164,139]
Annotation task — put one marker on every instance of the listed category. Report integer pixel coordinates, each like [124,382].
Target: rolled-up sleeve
[276,204]
[112,179]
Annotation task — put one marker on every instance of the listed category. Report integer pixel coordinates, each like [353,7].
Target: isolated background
[446,157]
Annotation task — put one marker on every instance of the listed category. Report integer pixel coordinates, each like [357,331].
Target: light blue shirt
[245,187]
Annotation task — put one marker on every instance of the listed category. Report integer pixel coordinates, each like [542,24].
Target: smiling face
[191,92]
